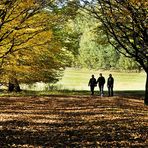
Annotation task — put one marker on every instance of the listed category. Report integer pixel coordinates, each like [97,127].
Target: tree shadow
[132,94]
[78,122]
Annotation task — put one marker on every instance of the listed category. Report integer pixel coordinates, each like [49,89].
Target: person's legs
[100,89]
[111,90]
[92,90]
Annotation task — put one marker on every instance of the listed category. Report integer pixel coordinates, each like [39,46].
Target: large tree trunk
[17,86]
[10,87]
[14,85]
[146,90]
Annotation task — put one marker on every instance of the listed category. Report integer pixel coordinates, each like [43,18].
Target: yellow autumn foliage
[29,52]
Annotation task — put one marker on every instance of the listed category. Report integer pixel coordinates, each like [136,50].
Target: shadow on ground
[74,121]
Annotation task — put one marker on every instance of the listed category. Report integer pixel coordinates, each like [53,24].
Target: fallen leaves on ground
[73,121]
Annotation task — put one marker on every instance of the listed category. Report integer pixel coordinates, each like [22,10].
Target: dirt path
[73,122]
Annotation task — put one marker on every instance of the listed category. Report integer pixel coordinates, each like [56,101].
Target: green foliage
[127,64]
[94,49]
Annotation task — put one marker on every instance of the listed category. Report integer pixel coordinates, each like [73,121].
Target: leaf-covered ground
[73,122]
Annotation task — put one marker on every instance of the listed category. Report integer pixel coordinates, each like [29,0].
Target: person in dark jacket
[101,82]
[110,84]
[92,83]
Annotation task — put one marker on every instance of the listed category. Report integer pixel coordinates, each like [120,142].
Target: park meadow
[72,118]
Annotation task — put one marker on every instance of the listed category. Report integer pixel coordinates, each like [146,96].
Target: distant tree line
[94,50]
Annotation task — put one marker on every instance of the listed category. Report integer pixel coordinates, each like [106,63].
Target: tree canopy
[31,48]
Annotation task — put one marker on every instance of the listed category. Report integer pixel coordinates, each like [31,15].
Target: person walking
[101,82]
[92,83]
[110,84]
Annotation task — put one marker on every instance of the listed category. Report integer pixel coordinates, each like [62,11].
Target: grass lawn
[77,79]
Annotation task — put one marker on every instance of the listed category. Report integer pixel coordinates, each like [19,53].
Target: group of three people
[101,81]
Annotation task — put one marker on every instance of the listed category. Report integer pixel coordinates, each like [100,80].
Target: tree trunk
[10,87]
[14,85]
[17,86]
[146,90]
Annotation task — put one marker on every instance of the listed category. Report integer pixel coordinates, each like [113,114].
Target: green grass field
[77,79]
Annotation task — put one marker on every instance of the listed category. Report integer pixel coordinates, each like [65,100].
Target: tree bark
[14,86]
[146,90]
[10,87]
[17,86]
